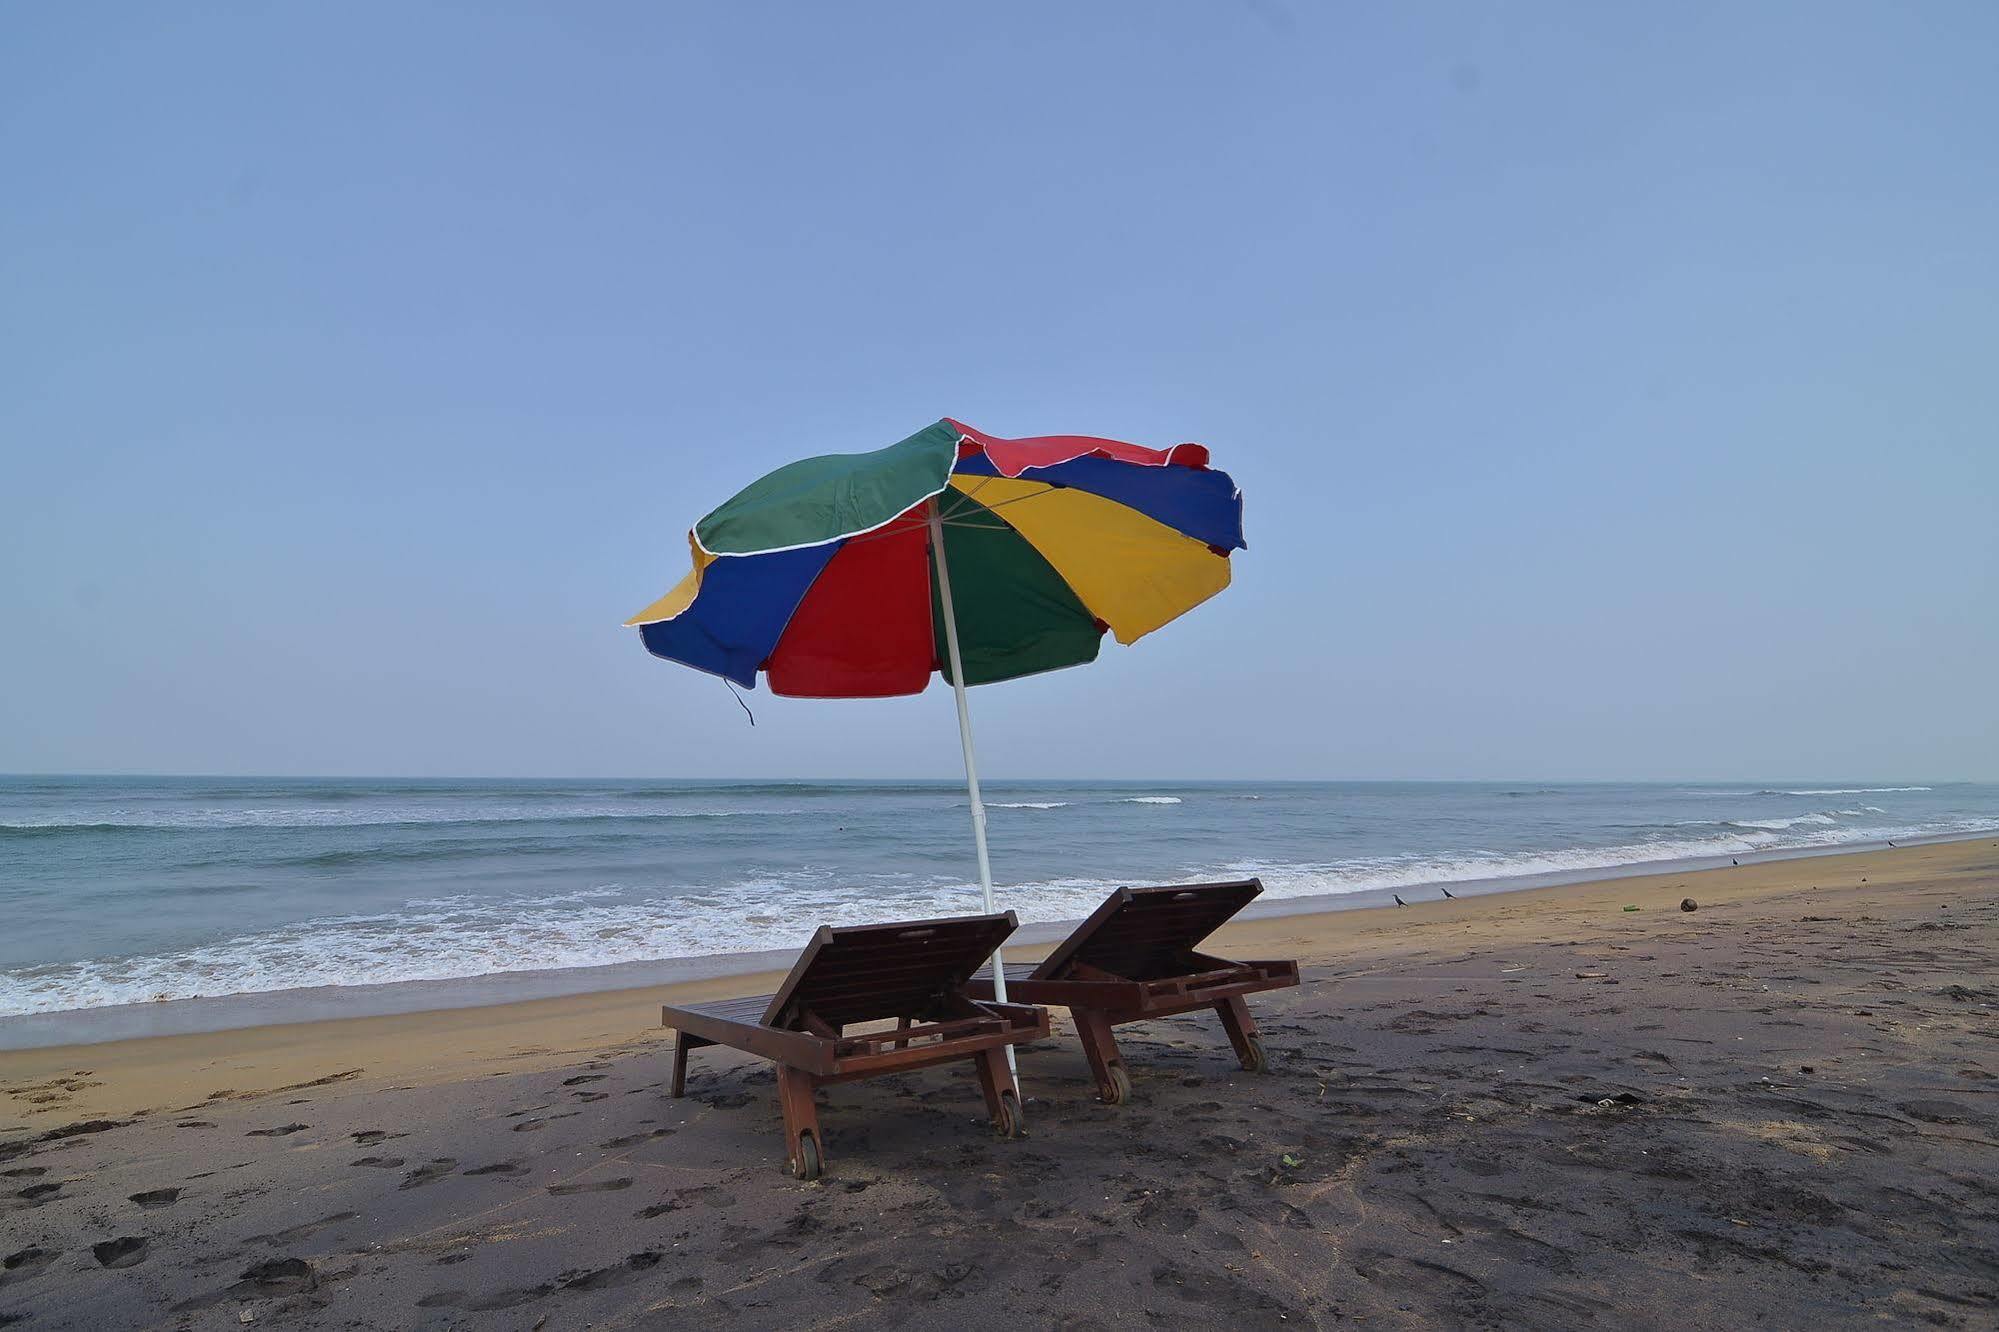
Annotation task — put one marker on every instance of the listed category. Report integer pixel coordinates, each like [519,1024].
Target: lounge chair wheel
[1258,1059]
[806,1164]
[1119,1090]
[1011,1121]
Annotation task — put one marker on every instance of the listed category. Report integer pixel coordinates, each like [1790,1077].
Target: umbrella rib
[1036,494]
[961,504]
[961,501]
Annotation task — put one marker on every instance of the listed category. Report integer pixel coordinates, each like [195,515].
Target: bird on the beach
[1398,899]
[1733,861]
[1891,844]
[1447,893]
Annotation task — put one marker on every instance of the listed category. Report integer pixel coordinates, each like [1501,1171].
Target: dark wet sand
[1534,1110]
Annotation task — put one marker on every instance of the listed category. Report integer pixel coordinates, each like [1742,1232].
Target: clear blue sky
[1613,387]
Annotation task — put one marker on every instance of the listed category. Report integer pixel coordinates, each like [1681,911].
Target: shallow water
[123,890]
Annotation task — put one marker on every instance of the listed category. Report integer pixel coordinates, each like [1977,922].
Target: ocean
[119,891]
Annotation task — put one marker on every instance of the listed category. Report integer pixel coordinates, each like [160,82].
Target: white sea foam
[1027,804]
[1362,874]
[1702,791]
[1779,825]
[1150,800]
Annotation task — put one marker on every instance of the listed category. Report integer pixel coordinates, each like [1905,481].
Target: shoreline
[136,1076]
[208,1014]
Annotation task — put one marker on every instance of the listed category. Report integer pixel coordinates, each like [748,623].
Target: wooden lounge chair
[913,971]
[1135,958]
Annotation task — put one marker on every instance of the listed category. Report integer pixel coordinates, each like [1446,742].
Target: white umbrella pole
[965,740]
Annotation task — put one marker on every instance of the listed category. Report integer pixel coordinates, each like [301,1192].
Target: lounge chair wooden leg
[1100,1048]
[804,1147]
[1243,1035]
[902,1024]
[1002,1095]
[681,1045]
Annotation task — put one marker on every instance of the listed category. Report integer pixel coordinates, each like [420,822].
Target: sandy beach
[1534,1109]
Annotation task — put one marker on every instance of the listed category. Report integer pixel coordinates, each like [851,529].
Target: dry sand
[1531,1109]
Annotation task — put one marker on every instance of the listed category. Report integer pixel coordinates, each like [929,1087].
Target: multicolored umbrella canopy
[821,575]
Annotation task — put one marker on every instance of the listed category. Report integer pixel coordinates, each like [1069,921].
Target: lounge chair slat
[751,1007]
[1144,933]
[952,948]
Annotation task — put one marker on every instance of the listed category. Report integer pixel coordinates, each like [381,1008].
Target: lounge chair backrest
[1146,933]
[864,973]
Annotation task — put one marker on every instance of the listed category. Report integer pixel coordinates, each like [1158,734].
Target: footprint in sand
[75,1130]
[381,1162]
[508,1168]
[499,1299]
[155,1197]
[25,1172]
[280,1239]
[282,1130]
[595,1186]
[276,1276]
[582,1078]
[429,1174]
[369,1137]
[25,1263]
[703,1193]
[270,1279]
[39,1193]
[125,1251]
[603,1278]
[634,1139]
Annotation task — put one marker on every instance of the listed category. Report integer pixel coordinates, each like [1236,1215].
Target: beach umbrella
[951,552]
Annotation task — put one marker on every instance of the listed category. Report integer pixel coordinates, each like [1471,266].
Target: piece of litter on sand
[1631,908]
[1591,975]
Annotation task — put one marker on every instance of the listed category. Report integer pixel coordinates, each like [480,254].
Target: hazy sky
[1613,388]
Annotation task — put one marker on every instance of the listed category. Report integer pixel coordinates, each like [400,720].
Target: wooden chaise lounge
[913,971]
[1135,958]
